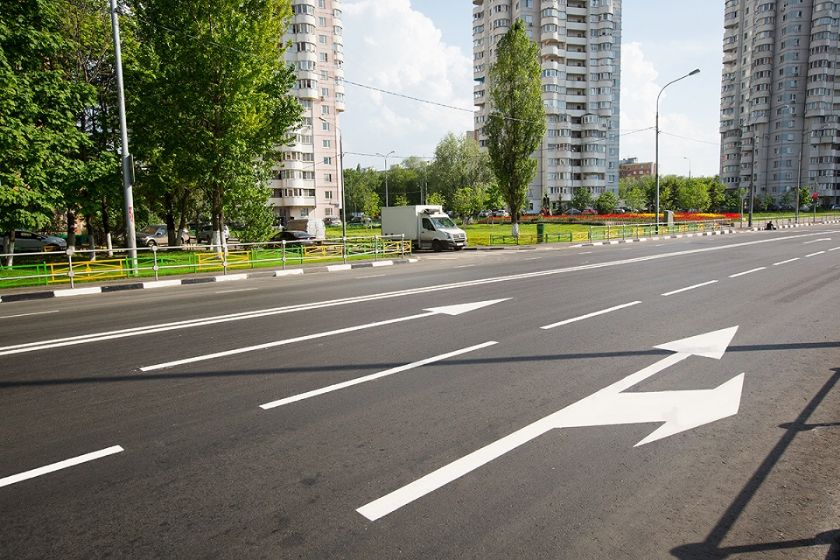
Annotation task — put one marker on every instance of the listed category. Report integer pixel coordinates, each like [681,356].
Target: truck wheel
[436,246]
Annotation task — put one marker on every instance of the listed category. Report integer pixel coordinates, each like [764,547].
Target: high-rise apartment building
[779,104]
[579,45]
[308,184]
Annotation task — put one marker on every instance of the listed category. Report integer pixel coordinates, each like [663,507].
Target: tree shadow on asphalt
[378,366]
[711,549]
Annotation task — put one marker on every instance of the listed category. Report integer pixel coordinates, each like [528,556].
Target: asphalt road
[159,394]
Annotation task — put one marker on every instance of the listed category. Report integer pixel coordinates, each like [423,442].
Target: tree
[692,195]
[804,196]
[38,133]
[717,193]
[459,161]
[581,198]
[606,203]
[469,201]
[633,192]
[216,92]
[371,204]
[436,199]
[516,123]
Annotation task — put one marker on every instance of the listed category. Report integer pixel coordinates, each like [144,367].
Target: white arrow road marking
[679,410]
[374,376]
[60,465]
[445,310]
[593,314]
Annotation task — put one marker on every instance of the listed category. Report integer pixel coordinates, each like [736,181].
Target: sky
[423,49]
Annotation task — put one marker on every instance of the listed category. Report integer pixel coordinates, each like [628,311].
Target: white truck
[427,226]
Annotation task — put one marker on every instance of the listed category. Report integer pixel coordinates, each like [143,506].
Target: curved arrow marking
[678,410]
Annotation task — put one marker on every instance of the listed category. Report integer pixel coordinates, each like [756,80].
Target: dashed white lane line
[374,376]
[236,290]
[747,272]
[687,288]
[660,245]
[532,259]
[465,266]
[371,276]
[593,314]
[60,465]
[785,262]
[585,253]
[834,249]
[815,254]
[28,314]
[816,240]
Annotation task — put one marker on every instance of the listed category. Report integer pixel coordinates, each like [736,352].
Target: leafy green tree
[516,123]
[469,201]
[606,203]
[458,161]
[38,108]
[633,192]
[359,183]
[733,199]
[400,200]
[436,199]
[692,195]
[804,196]
[216,92]
[717,193]
[371,204]
[581,198]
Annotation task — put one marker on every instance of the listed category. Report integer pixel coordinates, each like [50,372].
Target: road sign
[678,410]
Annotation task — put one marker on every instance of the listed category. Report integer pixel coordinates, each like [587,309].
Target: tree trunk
[91,237]
[182,212]
[172,236]
[9,247]
[71,229]
[106,226]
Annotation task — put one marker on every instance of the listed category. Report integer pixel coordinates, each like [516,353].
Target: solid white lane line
[189,323]
[28,314]
[60,465]
[834,249]
[687,288]
[787,261]
[283,342]
[815,254]
[236,290]
[816,240]
[374,376]
[593,314]
[747,272]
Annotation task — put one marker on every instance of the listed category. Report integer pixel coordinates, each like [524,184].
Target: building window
[327,143]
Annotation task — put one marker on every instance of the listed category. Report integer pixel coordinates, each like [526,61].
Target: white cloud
[390,45]
[687,134]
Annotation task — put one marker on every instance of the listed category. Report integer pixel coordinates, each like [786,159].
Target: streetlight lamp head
[695,71]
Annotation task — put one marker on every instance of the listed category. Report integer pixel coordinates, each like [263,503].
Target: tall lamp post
[693,72]
[340,179]
[386,173]
[689,166]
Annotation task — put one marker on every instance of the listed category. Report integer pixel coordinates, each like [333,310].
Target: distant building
[579,45]
[779,107]
[632,167]
[308,183]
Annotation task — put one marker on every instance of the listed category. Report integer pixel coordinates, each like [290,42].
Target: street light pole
[693,72]
[127,164]
[386,173]
[689,166]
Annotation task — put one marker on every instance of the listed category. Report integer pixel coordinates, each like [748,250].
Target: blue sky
[423,49]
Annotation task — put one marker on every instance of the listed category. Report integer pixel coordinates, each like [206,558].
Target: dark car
[294,237]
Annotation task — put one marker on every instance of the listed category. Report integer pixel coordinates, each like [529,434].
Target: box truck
[427,226]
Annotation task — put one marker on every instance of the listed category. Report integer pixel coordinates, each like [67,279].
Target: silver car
[29,242]
[158,235]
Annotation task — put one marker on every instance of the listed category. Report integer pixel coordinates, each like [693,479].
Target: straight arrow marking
[374,376]
[679,410]
[447,310]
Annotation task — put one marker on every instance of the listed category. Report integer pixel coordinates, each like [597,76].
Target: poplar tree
[516,123]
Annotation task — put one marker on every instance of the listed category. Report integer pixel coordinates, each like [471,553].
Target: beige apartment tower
[580,53]
[779,98]
[308,184]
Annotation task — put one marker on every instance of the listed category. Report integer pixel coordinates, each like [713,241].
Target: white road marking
[60,465]
[445,310]
[533,258]
[28,314]
[211,320]
[687,288]
[677,410]
[465,266]
[593,314]
[372,276]
[585,253]
[231,277]
[747,272]
[835,249]
[815,254]
[374,376]
[660,245]
[236,290]
[787,261]
[816,240]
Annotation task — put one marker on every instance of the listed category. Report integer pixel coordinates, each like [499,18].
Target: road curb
[155,284]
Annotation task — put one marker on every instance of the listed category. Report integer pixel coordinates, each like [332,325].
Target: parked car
[501,213]
[332,221]
[294,237]
[589,211]
[29,242]
[835,207]
[158,235]
[572,212]
[204,234]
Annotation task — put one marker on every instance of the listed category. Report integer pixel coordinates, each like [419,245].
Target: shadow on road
[377,366]
[711,549]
